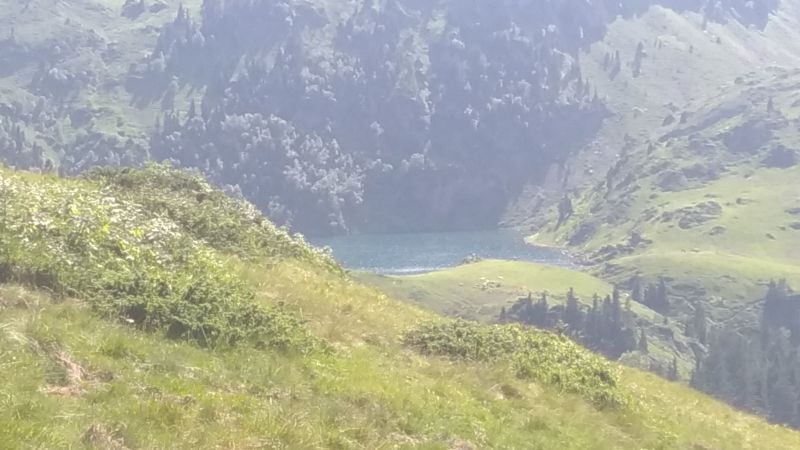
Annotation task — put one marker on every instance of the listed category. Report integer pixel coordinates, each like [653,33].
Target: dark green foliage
[637,59]
[565,210]
[135,263]
[697,327]
[642,343]
[673,370]
[781,310]
[605,327]
[781,157]
[637,289]
[207,214]
[535,355]
[656,296]
[573,316]
[759,372]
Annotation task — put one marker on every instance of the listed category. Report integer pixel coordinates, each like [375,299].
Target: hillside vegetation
[656,139]
[700,191]
[329,115]
[334,364]
[478,291]
[703,205]
[494,291]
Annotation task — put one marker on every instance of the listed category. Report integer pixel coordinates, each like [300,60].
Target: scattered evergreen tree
[656,297]
[604,327]
[697,327]
[637,59]
[673,370]
[573,316]
[637,290]
[565,210]
[642,344]
[759,372]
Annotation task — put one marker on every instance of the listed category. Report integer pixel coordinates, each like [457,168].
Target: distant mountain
[330,116]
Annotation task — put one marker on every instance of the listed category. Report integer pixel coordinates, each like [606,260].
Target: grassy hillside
[336,364]
[681,180]
[95,41]
[688,65]
[706,204]
[478,291]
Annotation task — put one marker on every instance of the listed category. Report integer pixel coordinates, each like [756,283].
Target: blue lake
[425,252]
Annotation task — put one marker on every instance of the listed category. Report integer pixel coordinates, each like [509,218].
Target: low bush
[535,355]
[227,224]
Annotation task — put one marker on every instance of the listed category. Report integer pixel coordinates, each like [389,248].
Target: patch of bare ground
[76,375]
[101,437]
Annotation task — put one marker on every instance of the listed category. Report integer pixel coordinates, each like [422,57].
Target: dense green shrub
[132,261]
[536,355]
[207,214]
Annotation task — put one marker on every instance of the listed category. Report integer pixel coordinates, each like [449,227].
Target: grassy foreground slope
[329,363]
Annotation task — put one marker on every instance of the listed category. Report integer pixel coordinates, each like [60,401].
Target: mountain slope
[710,203]
[692,182]
[349,376]
[62,86]
[687,66]
[337,116]
[511,291]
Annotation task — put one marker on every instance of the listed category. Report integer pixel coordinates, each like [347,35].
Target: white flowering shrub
[205,213]
[143,248]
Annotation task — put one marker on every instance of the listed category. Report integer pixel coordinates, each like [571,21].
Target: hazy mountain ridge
[468,101]
[686,66]
[414,106]
[365,110]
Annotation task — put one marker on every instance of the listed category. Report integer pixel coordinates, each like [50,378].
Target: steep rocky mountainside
[334,115]
[676,66]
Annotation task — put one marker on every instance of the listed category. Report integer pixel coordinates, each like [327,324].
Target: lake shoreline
[416,253]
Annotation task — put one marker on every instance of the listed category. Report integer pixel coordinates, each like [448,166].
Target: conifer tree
[673,370]
[643,342]
[637,290]
[573,316]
